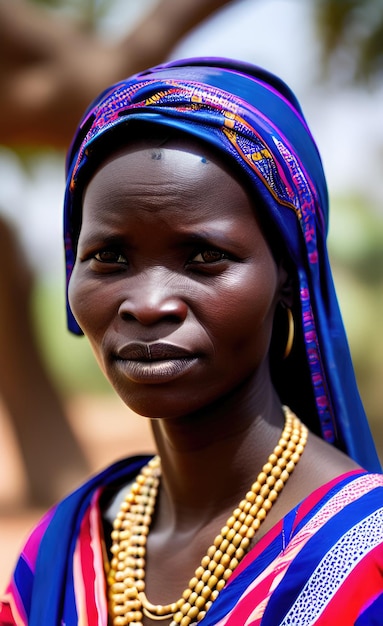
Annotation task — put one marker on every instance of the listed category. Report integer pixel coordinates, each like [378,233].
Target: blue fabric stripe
[373,614]
[23,577]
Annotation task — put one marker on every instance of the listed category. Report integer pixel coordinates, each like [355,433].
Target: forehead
[172,169]
[163,198]
[165,147]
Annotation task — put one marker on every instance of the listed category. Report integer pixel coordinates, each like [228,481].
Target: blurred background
[59,420]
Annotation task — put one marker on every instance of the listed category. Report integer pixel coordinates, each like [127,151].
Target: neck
[221,558]
[198,481]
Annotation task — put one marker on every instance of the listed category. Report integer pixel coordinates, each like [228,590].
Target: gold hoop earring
[290,336]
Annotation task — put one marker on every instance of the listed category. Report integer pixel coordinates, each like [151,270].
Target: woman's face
[174,283]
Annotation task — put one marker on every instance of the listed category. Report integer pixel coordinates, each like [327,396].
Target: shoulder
[340,494]
[50,545]
[323,561]
[346,499]
[332,562]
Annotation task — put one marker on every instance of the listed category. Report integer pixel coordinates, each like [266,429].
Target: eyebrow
[217,237]
[183,239]
[95,238]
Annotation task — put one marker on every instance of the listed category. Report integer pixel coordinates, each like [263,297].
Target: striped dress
[321,565]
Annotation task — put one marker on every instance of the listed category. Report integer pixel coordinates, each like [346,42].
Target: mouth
[150,352]
[154,363]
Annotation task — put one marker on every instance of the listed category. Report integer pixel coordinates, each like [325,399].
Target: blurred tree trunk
[52,457]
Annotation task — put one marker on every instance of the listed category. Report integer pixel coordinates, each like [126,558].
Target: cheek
[86,302]
[241,318]
[76,297]
[90,312]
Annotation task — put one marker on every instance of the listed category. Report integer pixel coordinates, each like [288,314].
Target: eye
[110,256]
[209,256]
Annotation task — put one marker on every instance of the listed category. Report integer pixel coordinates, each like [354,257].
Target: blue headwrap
[253,120]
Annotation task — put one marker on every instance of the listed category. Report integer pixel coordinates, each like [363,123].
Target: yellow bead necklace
[126,577]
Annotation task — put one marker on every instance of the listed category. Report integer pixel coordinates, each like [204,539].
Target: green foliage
[351,34]
[69,358]
[356,239]
[356,251]
[49,3]
[87,12]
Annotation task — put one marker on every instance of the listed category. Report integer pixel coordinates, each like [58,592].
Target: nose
[152,301]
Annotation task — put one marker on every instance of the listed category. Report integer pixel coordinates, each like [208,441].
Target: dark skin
[178,257]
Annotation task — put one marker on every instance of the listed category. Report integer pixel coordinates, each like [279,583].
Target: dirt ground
[106,430]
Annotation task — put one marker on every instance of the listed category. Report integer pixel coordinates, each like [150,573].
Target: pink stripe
[88,573]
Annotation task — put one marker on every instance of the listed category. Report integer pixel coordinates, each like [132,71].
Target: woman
[195,222]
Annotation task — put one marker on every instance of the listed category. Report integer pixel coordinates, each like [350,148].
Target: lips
[154,363]
[138,351]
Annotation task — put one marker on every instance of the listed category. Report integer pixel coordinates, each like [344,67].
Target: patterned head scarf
[253,120]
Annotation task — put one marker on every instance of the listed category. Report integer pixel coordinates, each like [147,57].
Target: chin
[153,405]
